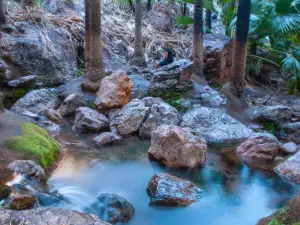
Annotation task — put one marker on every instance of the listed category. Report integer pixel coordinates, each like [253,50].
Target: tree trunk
[2,13]
[208,21]
[253,47]
[138,58]
[198,39]
[148,5]
[131,6]
[184,9]
[87,46]
[95,65]
[237,77]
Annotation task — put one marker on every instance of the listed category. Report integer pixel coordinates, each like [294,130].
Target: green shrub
[37,143]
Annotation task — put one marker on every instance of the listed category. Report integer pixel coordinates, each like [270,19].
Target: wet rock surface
[20,201]
[140,86]
[27,168]
[128,119]
[177,147]
[114,91]
[52,128]
[259,149]
[215,126]
[47,216]
[53,115]
[36,101]
[167,190]
[107,138]
[275,114]
[159,113]
[70,104]
[87,119]
[113,208]
[290,168]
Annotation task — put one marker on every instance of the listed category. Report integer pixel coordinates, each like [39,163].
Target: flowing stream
[232,192]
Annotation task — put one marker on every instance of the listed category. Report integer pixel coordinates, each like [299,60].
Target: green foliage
[17,93]
[184,20]
[79,72]
[37,143]
[271,127]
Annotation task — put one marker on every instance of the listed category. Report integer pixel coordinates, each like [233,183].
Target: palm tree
[198,38]
[208,21]
[2,13]
[95,69]
[87,35]
[138,58]
[237,77]
[148,5]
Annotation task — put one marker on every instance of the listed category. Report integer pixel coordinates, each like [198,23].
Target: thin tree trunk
[2,13]
[253,47]
[184,9]
[148,5]
[138,58]
[198,39]
[237,77]
[87,46]
[131,6]
[95,66]
[208,21]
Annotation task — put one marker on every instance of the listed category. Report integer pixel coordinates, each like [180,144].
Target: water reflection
[232,192]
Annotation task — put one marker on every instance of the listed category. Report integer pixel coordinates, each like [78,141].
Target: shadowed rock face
[168,190]
[177,147]
[20,201]
[113,208]
[48,216]
[290,168]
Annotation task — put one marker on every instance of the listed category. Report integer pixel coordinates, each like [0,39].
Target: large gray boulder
[167,190]
[159,113]
[290,168]
[48,53]
[36,101]
[27,168]
[128,119]
[277,113]
[87,119]
[216,126]
[177,147]
[261,148]
[48,216]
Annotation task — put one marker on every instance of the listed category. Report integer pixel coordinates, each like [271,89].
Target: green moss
[282,218]
[18,92]
[36,142]
[271,127]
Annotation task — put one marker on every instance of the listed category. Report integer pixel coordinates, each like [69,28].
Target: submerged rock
[277,113]
[259,149]
[167,190]
[49,216]
[87,119]
[290,168]
[114,91]
[19,201]
[70,104]
[36,101]
[289,148]
[107,138]
[128,119]
[27,168]
[216,126]
[23,82]
[177,147]
[113,208]
[159,113]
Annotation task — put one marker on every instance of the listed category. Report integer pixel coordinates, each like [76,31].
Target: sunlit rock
[289,148]
[28,168]
[177,147]
[290,168]
[167,190]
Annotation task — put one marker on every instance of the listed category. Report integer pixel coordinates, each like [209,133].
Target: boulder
[5,73]
[210,97]
[112,208]
[51,216]
[59,6]
[167,190]
[87,119]
[50,55]
[289,148]
[216,126]
[36,101]
[27,168]
[291,132]
[52,128]
[53,115]
[218,52]
[140,86]
[277,113]
[159,113]
[177,147]
[128,119]
[19,201]
[70,104]
[161,17]
[107,138]
[114,91]
[290,168]
[261,148]
[23,82]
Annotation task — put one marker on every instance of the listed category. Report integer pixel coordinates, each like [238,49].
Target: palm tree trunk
[138,58]
[87,46]
[253,47]
[198,39]
[148,5]
[2,13]
[131,6]
[208,21]
[95,65]
[237,77]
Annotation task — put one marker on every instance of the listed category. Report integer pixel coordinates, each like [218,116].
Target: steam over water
[232,193]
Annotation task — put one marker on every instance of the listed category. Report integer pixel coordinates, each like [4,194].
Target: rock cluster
[27,168]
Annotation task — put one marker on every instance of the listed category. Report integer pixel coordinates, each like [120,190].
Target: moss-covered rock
[35,142]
